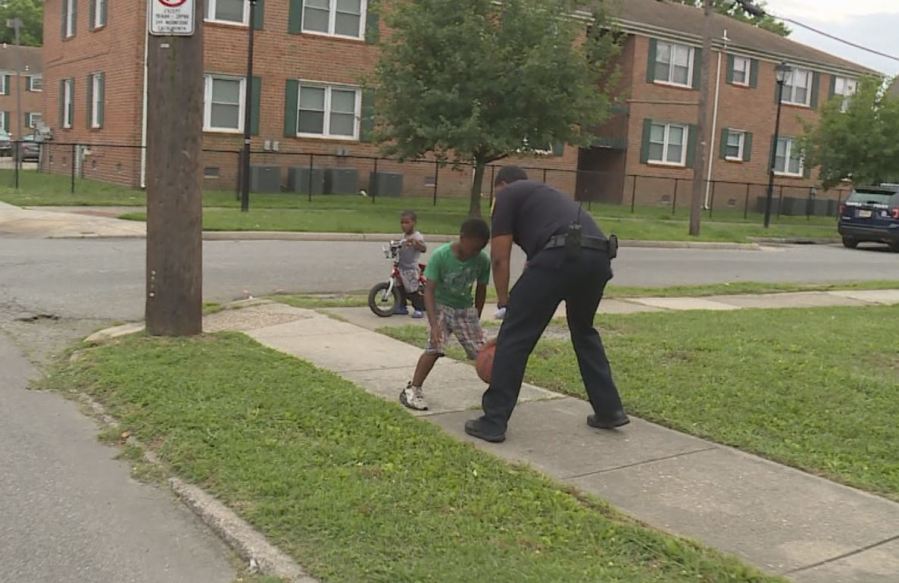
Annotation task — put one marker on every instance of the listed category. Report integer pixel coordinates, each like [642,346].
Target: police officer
[568,258]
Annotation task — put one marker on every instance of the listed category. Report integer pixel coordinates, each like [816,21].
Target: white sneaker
[413,398]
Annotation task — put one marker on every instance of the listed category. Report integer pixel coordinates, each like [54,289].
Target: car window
[876,197]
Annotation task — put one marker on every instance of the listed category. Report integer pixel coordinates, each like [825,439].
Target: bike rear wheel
[382,300]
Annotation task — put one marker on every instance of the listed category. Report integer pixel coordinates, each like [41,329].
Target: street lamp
[247,117]
[780,74]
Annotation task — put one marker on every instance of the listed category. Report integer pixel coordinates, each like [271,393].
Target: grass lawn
[812,388]
[356,489]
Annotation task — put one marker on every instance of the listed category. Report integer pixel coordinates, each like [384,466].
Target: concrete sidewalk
[782,520]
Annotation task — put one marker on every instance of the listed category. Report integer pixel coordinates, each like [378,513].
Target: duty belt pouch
[613,246]
[573,241]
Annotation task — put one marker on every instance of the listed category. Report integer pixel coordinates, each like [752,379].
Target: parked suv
[871,214]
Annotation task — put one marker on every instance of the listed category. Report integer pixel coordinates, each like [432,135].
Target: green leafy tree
[736,11]
[472,82]
[31,12]
[859,141]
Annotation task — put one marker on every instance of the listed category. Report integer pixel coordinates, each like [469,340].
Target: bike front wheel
[382,300]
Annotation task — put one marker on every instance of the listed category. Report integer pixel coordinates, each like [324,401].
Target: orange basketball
[484,362]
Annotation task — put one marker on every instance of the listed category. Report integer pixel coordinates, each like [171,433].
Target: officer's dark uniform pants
[534,299]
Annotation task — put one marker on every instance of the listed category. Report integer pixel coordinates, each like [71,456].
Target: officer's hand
[500,313]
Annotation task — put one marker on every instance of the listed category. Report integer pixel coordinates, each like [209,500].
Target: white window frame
[67,104]
[95,100]
[70,18]
[791,143]
[31,87]
[326,129]
[741,155]
[691,57]
[666,144]
[99,22]
[842,88]
[207,103]
[246,15]
[789,98]
[332,19]
[747,71]
[32,124]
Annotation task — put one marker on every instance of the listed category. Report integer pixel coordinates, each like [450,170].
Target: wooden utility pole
[702,138]
[174,303]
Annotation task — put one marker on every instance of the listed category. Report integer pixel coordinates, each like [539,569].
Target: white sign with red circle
[172,17]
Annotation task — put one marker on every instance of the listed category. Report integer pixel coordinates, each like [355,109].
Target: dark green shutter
[25,119]
[90,101]
[816,82]
[62,101]
[258,14]
[697,67]
[372,25]
[74,18]
[295,19]
[72,102]
[92,14]
[725,133]
[833,87]
[256,96]
[651,63]
[730,69]
[291,104]
[6,123]
[101,99]
[691,144]
[754,73]
[7,88]
[368,116]
[62,21]
[747,147]
[104,12]
[644,146]
[559,149]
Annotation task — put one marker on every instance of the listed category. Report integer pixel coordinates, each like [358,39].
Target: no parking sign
[172,17]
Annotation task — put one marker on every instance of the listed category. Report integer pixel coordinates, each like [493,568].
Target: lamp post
[247,117]
[780,74]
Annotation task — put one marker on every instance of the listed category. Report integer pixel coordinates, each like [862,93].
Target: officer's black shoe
[478,428]
[617,419]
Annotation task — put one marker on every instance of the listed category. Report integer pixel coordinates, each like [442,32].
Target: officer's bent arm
[500,256]
[480,297]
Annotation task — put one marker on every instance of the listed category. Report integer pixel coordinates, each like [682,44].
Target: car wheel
[849,243]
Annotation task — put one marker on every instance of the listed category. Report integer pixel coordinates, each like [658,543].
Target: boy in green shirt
[451,272]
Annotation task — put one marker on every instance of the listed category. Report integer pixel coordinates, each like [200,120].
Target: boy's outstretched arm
[480,297]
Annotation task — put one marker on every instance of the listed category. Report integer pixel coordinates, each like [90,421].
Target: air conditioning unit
[302,180]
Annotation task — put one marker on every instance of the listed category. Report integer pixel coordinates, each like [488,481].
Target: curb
[250,545]
[795,241]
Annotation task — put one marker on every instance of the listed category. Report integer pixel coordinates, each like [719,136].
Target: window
[96,89]
[674,64]
[98,13]
[742,68]
[788,158]
[668,144]
[331,112]
[228,11]
[4,116]
[797,89]
[335,17]
[68,18]
[32,119]
[4,84]
[736,142]
[845,88]
[36,83]
[224,104]
[68,98]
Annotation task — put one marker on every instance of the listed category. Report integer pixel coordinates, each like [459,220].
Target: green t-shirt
[453,278]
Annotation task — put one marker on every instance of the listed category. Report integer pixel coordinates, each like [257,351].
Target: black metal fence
[54,167]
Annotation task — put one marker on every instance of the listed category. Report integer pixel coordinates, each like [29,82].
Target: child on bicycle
[410,272]
[454,268]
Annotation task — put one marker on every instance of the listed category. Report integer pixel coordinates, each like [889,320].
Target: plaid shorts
[464,324]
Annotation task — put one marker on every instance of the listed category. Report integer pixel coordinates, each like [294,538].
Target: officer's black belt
[597,243]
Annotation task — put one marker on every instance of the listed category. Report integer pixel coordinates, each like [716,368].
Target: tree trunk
[474,207]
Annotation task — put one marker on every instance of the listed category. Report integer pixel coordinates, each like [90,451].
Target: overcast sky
[870,23]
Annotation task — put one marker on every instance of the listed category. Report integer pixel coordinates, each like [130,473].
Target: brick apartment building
[308,105]
[20,65]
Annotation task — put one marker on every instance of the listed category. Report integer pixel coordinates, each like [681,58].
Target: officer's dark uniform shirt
[533,212]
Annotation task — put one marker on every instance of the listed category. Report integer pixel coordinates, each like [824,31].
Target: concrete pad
[884,296]
[254,318]
[777,518]
[364,318]
[452,386]
[879,564]
[311,324]
[684,304]
[787,300]
[553,436]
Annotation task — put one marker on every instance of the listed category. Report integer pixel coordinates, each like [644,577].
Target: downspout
[143,132]
[708,182]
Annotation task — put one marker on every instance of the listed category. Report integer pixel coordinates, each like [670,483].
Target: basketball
[484,362]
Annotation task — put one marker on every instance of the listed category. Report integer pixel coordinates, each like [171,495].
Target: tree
[736,11]
[473,82]
[858,143]
[32,14]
